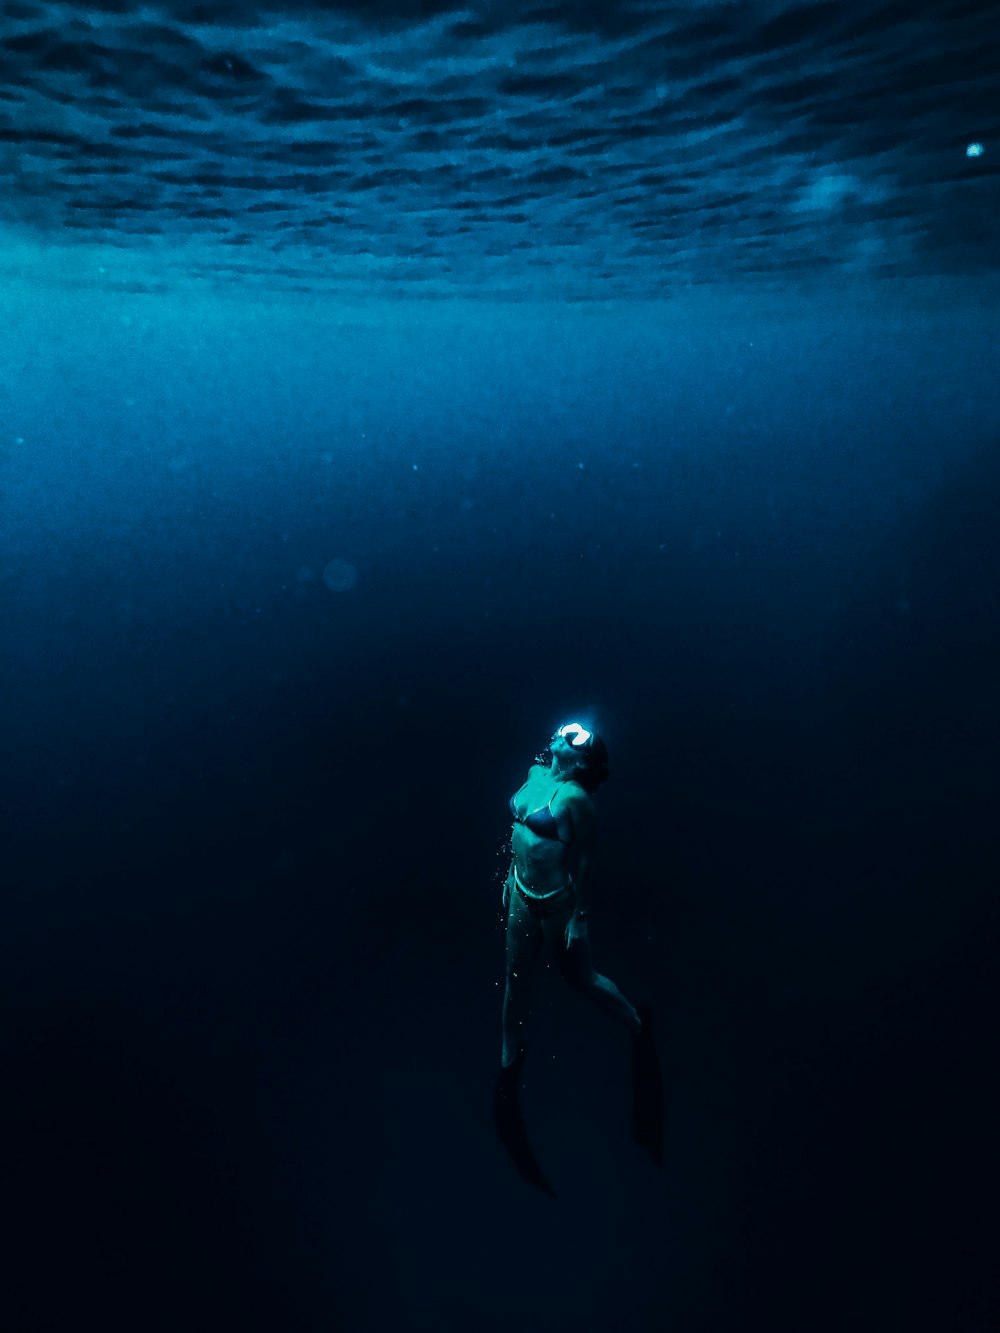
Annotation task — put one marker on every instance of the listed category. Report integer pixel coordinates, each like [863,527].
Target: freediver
[546,897]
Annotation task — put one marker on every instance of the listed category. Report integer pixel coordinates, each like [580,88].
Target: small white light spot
[975,150]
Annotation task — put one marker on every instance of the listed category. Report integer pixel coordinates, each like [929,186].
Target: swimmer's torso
[544,858]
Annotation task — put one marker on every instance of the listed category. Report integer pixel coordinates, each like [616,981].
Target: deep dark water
[253,950]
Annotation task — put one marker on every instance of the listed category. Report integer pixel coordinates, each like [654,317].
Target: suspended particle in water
[974,150]
[340,575]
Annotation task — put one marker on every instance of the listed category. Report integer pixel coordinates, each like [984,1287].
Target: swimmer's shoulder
[578,803]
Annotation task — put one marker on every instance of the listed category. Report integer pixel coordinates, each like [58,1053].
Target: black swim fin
[647,1089]
[510,1124]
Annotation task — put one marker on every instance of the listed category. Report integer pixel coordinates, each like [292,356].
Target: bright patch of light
[576,734]
[974,150]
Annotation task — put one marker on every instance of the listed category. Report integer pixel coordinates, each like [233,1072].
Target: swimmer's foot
[647,1089]
[509,1124]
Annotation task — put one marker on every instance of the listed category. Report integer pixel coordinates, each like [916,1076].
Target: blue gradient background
[252,957]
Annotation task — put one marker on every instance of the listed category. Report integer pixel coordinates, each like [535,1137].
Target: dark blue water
[253,952]
[380,386]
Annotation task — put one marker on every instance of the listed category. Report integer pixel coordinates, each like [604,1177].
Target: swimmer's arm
[581,885]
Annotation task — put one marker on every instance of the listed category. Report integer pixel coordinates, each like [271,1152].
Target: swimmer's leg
[576,966]
[524,943]
[647,1082]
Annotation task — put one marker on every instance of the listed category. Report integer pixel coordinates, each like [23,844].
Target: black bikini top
[541,821]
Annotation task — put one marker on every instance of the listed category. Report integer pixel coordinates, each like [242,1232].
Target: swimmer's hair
[595,769]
